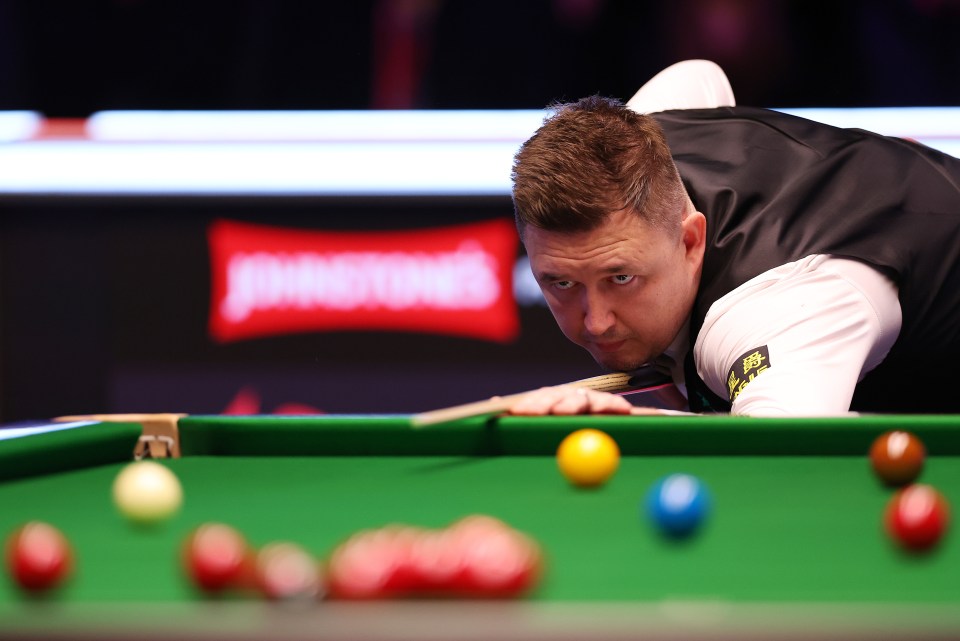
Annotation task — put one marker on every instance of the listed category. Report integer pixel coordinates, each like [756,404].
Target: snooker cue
[613,383]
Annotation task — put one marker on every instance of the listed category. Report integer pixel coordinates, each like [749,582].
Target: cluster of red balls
[917,515]
[478,556]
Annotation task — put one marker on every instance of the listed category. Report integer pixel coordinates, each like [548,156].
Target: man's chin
[618,364]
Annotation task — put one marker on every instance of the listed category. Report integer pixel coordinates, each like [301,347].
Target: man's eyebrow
[619,268]
[547,276]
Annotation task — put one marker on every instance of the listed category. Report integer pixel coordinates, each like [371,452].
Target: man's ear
[693,233]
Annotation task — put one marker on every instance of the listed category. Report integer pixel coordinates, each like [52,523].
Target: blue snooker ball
[677,504]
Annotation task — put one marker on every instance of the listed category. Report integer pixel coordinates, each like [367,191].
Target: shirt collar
[672,360]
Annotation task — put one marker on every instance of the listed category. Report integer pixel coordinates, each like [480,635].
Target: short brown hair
[589,159]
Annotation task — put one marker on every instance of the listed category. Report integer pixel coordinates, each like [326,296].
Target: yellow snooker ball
[147,492]
[588,457]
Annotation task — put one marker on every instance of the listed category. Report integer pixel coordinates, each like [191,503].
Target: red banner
[453,280]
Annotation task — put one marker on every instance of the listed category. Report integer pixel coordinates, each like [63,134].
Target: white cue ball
[147,492]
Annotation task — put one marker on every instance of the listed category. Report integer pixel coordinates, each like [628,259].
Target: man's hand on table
[569,400]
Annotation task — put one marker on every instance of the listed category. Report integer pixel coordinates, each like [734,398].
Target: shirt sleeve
[796,340]
[689,84]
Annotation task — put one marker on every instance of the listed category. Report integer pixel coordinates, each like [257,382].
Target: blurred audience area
[68,59]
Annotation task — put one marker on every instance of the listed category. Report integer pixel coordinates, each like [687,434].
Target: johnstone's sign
[447,280]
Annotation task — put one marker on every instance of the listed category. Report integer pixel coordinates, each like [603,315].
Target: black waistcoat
[776,188]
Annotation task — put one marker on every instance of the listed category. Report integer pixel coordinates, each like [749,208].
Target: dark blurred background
[104,300]
[68,58]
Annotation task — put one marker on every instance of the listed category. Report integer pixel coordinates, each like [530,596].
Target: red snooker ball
[364,566]
[897,457]
[38,556]
[917,517]
[217,557]
[287,572]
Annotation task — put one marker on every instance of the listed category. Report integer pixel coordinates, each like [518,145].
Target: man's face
[622,291]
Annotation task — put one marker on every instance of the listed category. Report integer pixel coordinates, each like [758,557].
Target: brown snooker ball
[897,457]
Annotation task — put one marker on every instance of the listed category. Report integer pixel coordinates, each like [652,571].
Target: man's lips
[609,346]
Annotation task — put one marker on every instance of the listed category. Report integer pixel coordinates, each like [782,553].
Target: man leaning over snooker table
[771,265]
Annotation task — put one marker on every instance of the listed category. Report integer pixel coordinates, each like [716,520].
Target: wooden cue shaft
[617,382]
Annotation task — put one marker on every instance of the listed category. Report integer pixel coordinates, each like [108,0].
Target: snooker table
[793,546]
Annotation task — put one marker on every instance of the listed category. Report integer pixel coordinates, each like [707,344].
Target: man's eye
[563,284]
[623,279]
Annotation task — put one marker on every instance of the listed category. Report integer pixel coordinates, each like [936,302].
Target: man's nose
[598,316]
